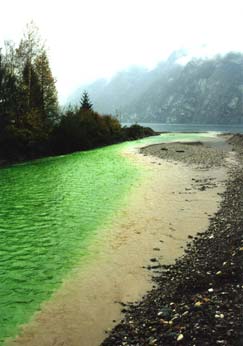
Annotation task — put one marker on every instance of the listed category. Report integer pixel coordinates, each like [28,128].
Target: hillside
[202,91]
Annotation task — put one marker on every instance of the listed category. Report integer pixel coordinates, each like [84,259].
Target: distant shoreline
[165,127]
[9,163]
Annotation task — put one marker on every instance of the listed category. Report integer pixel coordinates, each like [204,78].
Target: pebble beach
[198,300]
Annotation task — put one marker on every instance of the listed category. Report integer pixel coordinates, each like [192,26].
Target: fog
[92,39]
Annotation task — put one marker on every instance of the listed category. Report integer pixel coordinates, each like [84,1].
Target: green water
[49,211]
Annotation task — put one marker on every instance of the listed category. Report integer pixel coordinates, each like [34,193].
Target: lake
[192,127]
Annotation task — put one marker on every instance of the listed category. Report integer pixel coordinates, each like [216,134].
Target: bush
[84,129]
[136,131]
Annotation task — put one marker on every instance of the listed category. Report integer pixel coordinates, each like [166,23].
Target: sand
[198,300]
[162,209]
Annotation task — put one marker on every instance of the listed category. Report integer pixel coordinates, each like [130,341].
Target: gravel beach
[206,155]
[198,300]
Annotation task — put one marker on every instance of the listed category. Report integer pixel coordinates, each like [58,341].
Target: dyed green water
[49,210]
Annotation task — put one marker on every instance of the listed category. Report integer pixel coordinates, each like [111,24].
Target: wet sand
[163,208]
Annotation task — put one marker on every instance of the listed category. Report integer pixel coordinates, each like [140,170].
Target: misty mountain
[202,91]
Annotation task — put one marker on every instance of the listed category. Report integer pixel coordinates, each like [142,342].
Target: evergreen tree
[31,88]
[28,97]
[85,102]
[2,94]
[48,92]
[9,94]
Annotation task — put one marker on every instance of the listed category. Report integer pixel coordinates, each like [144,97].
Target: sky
[90,39]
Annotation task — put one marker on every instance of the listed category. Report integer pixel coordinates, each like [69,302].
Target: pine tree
[2,94]
[48,92]
[9,93]
[32,88]
[85,102]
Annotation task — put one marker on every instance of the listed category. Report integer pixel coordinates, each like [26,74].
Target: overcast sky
[88,39]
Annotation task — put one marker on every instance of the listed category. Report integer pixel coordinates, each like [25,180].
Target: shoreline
[155,224]
[198,300]
[8,163]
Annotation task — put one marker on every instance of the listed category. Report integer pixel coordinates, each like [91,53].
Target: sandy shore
[199,299]
[171,201]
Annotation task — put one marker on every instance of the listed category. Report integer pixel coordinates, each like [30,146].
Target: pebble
[180,337]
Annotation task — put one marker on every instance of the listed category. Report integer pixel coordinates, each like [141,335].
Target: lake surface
[50,209]
[192,127]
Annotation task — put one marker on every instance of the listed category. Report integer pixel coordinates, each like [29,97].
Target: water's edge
[122,248]
[51,214]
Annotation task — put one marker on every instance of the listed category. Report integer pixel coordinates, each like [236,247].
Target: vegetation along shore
[32,124]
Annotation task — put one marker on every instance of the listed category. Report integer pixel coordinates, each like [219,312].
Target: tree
[29,48]
[28,97]
[48,92]
[31,88]
[85,102]
[36,79]
[3,118]
[9,93]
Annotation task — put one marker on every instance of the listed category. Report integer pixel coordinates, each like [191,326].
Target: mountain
[206,91]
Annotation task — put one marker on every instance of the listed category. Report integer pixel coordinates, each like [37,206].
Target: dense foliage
[202,91]
[28,97]
[31,123]
[84,129]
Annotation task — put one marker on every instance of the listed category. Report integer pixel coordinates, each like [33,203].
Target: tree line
[31,121]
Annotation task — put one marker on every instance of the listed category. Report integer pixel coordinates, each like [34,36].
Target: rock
[153,259]
[166,313]
[180,337]
[163,321]
[202,188]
